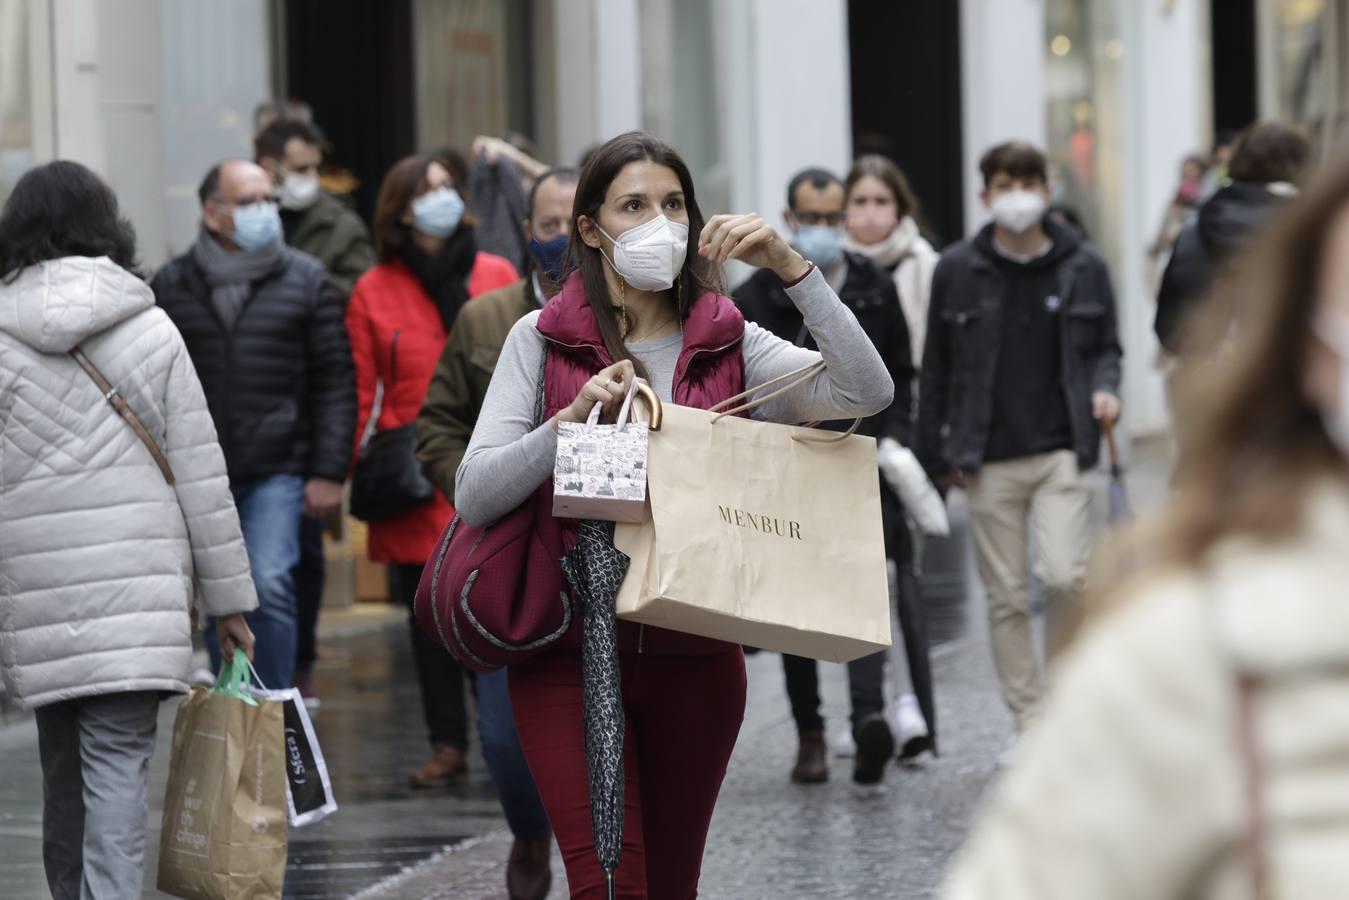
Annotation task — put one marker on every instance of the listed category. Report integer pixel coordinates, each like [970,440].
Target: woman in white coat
[1196,744]
[100,550]
[882,225]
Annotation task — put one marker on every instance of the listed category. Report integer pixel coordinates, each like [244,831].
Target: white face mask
[1333,330]
[650,256]
[1018,211]
[298,192]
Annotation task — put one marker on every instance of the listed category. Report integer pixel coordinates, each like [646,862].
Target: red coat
[389,302]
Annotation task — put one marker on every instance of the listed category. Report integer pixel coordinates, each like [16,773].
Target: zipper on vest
[641,637]
[680,376]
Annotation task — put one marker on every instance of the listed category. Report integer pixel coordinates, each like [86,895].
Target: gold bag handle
[796,379]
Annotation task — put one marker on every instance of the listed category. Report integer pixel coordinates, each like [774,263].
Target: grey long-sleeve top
[509,456]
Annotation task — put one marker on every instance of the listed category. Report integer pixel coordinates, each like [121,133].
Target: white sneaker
[845,746]
[909,726]
[203,678]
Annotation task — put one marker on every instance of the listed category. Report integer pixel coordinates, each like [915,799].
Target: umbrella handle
[1110,443]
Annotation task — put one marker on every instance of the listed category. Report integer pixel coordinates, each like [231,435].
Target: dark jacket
[871,295]
[1224,225]
[459,384]
[965,336]
[279,383]
[335,236]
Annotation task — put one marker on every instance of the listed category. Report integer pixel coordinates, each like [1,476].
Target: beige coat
[1132,787]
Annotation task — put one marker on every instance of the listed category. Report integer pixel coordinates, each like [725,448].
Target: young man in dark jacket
[1021,365]
[453,402]
[263,325]
[319,224]
[815,214]
[313,221]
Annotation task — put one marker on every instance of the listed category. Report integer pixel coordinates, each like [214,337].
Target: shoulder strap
[118,403]
[1253,771]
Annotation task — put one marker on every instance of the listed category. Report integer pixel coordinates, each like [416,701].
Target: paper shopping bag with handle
[760,534]
[600,470]
[224,834]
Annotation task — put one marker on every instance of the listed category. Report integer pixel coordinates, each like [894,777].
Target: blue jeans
[506,761]
[269,511]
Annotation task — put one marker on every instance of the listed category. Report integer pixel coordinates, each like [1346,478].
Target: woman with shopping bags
[116,508]
[398,320]
[643,303]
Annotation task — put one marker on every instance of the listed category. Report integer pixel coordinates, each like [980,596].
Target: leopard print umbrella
[595,569]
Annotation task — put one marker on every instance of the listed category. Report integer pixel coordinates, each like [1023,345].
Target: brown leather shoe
[529,874]
[811,767]
[446,762]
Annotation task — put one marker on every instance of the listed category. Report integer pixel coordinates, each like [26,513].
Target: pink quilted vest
[711,368]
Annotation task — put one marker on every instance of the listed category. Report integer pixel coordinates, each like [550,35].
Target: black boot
[875,747]
[811,767]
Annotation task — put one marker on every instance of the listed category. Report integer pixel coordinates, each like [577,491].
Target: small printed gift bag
[600,472]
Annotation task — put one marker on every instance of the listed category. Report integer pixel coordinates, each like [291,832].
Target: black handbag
[388,479]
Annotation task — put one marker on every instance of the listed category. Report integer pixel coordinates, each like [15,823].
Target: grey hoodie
[98,553]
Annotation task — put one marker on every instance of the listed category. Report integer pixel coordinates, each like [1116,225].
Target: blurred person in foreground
[1266,168]
[444,426]
[1196,744]
[263,324]
[102,554]
[815,214]
[400,316]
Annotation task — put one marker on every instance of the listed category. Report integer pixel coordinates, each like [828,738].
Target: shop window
[16,95]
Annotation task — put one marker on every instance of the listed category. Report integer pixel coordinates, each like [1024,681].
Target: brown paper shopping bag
[224,834]
[760,534]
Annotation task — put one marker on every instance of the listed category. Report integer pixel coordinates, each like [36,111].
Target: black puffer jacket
[279,384]
[1225,224]
[871,296]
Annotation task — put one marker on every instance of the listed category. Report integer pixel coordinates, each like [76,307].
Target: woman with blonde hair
[1197,745]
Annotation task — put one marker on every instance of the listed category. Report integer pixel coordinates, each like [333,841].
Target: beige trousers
[1045,495]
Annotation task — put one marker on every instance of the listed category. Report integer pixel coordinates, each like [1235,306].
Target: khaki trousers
[1047,496]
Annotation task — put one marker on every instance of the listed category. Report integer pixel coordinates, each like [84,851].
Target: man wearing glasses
[815,212]
[263,325]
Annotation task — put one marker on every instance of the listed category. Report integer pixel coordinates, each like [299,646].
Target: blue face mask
[437,214]
[551,255]
[821,244]
[256,226]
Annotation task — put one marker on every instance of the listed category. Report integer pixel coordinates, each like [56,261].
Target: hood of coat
[55,305]
[1231,215]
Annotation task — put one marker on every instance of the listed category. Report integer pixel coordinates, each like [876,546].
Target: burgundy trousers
[683,714]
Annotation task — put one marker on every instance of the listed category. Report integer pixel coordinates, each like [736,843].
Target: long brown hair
[1252,442]
[401,185]
[697,277]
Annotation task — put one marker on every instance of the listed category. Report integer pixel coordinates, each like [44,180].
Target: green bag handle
[234,678]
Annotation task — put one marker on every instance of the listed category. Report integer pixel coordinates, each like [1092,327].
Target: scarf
[231,275]
[888,253]
[445,276]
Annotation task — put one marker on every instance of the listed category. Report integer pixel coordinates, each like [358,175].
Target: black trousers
[309,576]
[440,676]
[866,676]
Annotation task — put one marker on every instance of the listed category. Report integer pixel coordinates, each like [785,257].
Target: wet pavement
[769,839]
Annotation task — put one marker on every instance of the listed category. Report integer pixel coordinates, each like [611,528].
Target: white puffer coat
[98,554]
